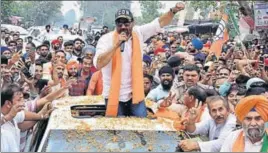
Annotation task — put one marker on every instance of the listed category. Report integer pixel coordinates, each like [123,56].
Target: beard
[78,48]
[166,84]
[254,133]
[56,47]
[73,74]
[60,75]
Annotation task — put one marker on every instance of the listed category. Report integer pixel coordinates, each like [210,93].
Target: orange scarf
[136,72]
[166,113]
[239,144]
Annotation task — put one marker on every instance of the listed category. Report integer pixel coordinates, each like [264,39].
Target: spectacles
[120,24]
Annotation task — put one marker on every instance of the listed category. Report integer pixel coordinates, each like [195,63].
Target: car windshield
[111,140]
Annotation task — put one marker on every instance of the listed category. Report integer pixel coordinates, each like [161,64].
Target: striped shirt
[31,107]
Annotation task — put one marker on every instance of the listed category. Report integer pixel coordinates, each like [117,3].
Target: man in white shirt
[108,48]
[46,32]
[13,113]
[252,112]
[217,128]
[65,30]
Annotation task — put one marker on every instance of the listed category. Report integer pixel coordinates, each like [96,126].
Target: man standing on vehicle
[119,56]
[46,32]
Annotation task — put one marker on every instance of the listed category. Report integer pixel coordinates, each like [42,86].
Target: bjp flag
[221,36]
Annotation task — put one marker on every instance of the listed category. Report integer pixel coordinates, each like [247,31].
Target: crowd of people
[224,98]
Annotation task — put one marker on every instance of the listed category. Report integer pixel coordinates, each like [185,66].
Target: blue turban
[147,58]
[197,43]
[3,48]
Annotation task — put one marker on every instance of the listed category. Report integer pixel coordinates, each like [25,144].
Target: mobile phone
[261,59]
[26,72]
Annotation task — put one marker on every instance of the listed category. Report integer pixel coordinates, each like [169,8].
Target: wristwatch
[171,10]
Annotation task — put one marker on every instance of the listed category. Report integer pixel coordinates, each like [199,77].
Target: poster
[261,15]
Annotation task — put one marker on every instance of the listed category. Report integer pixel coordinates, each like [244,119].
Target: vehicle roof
[63,115]
[63,131]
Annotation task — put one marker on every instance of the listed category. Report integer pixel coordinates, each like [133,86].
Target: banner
[261,15]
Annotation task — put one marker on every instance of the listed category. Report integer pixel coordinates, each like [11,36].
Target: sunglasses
[120,24]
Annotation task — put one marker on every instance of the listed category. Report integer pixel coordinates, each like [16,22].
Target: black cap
[124,13]
[166,69]
[174,61]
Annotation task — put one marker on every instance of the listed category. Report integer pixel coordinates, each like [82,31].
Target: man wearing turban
[55,45]
[80,86]
[252,112]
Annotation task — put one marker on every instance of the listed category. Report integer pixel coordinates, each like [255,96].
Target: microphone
[122,46]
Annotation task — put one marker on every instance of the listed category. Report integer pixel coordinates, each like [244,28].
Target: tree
[36,12]
[103,11]
[8,8]
[149,10]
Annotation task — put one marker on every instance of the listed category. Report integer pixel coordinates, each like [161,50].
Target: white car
[23,32]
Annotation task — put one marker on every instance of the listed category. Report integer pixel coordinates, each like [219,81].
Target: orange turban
[70,64]
[257,102]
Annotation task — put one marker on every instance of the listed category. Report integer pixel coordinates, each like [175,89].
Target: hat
[65,26]
[124,13]
[253,81]
[72,63]
[166,69]
[4,49]
[159,50]
[174,61]
[147,58]
[56,41]
[197,43]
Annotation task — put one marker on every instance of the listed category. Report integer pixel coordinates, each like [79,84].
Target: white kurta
[216,133]
[11,138]
[249,147]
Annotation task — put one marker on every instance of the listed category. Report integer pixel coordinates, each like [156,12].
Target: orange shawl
[239,144]
[136,72]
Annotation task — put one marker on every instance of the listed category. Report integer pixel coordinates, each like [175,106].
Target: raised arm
[166,18]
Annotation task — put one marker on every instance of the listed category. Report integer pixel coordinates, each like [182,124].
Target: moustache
[166,81]
[219,117]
